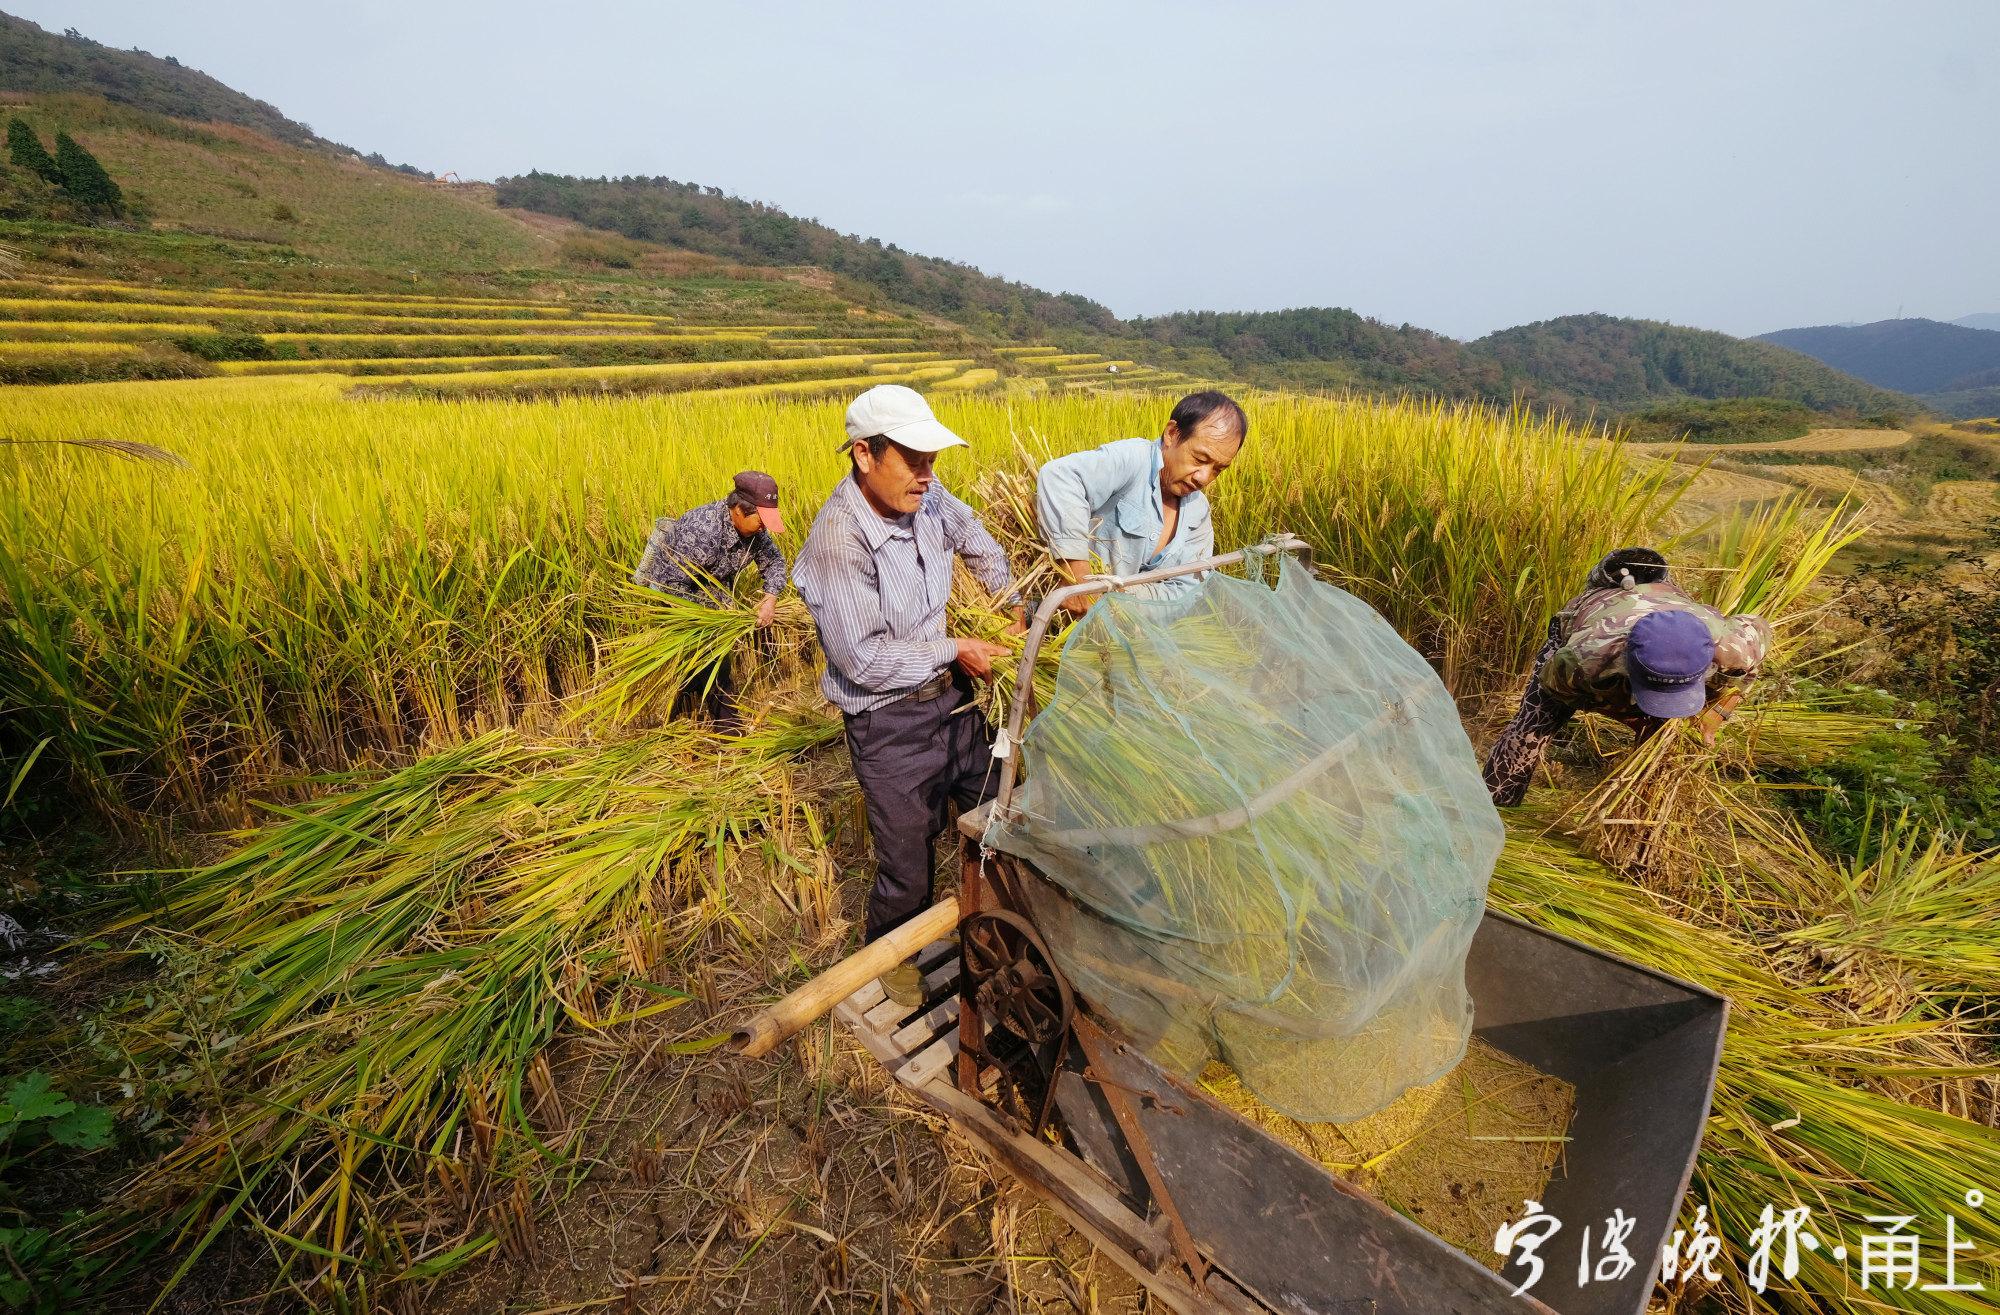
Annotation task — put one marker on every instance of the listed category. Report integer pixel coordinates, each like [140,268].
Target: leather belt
[930,689]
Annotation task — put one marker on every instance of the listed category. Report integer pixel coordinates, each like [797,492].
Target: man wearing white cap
[876,575]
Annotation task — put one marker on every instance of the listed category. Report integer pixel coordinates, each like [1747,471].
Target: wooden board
[918,1046]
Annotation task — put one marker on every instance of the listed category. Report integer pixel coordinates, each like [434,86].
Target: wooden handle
[761,1035]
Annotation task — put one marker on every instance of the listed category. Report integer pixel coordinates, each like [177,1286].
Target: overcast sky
[1742,165]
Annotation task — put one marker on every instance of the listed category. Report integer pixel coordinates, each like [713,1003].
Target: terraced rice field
[381,364]
[1712,494]
[1836,482]
[32,350]
[1972,503]
[1819,440]
[95,329]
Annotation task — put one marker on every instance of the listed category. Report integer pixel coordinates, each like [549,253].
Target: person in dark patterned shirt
[1635,647]
[698,554]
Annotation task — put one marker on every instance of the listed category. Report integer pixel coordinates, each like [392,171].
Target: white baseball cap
[902,416]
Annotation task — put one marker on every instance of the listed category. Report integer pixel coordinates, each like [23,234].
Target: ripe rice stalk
[1799,1119]
[390,959]
[330,583]
[673,645]
[129,449]
[1919,920]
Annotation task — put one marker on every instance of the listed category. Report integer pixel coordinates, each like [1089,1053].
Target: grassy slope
[230,182]
[214,192]
[35,61]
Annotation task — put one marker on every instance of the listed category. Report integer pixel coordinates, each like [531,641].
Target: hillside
[231,182]
[704,219]
[1983,320]
[236,191]
[1582,360]
[33,61]
[1624,363]
[1324,347]
[1912,356]
[1578,361]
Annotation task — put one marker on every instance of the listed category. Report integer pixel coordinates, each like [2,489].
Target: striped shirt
[877,590]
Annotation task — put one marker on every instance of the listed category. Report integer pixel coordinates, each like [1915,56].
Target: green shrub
[25,151]
[226,345]
[84,178]
[46,1272]
[1725,420]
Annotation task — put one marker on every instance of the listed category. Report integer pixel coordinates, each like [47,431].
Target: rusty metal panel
[1299,1237]
[1641,1049]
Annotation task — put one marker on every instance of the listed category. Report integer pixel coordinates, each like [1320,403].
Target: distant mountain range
[1954,368]
[1578,361]
[1584,362]
[1983,320]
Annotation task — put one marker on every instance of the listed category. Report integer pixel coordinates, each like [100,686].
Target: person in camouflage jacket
[1635,647]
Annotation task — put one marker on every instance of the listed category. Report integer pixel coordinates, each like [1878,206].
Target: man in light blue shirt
[1137,504]
[876,575]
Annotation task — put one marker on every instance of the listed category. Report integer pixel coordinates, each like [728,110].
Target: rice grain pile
[1457,1156]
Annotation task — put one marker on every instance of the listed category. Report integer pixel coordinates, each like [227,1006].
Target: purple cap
[1667,657]
[761,492]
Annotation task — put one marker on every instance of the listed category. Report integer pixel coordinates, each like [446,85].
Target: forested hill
[704,219]
[1916,356]
[41,63]
[1320,346]
[1577,361]
[1623,363]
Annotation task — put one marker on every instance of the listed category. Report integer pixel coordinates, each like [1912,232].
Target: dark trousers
[913,759]
[713,690]
[1518,751]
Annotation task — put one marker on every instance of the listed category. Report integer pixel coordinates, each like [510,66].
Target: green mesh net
[1267,839]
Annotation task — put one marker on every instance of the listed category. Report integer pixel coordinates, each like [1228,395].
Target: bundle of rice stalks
[1913,931]
[379,970]
[671,645]
[1648,814]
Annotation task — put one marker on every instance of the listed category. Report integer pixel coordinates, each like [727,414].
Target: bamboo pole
[762,1033]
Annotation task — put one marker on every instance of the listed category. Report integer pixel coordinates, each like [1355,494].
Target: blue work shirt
[1104,506]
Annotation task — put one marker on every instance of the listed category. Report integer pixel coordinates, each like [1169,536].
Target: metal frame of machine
[1204,1209]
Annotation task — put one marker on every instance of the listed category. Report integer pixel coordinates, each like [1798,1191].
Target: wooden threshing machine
[1202,1207]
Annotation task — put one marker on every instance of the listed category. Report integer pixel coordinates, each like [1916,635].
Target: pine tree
[25,149]
[84,178]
